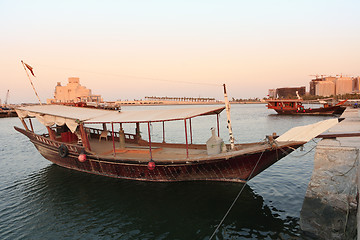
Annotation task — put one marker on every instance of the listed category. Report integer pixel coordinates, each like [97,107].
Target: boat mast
[30,68]
[227,106]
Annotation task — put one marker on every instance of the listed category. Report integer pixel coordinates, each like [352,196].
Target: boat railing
[142,142]
[95,133]
[44,138]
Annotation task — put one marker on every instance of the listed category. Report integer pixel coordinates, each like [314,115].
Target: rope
[238,195]
[308,151]
[347,202]
[343,174]
[285,152]
[347,217]
[236,198]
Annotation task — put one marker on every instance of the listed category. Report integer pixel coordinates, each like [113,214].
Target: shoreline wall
[329,209]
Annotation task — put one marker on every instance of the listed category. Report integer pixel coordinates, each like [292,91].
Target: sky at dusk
[132,49]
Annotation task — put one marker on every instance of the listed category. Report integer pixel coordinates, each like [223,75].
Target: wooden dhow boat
[73,143]
[295,107]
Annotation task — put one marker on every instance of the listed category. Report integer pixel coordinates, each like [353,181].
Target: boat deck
[162,153]
[142,153]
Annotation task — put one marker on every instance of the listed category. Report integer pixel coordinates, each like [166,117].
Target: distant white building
[344,85]
[73,92]
[356,85]
[327,86]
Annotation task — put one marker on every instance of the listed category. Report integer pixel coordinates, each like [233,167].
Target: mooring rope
[238,195]
[309,150]
[236,198]
[353,166]
[301,155]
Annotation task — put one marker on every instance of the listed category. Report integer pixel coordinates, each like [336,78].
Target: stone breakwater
[329,209]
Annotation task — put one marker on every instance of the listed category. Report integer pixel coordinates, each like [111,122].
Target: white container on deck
[215,144]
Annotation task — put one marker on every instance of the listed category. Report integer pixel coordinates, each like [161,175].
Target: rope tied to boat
[236,198]
[271,141]
[301,155]
[274,145]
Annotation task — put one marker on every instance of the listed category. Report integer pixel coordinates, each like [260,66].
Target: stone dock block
[329,209]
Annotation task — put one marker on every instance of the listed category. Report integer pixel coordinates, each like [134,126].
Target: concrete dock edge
[330,207]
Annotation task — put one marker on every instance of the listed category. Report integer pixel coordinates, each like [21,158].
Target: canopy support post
[31,126]
[137,132]
[51,133]
[112,135]
[163,131]
[24,124]
[191,140]
[149,140]
[218,126]
[186,139]
[84,137]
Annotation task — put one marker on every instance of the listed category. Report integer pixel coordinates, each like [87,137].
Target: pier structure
[330,207]
[180,99]
[170,101]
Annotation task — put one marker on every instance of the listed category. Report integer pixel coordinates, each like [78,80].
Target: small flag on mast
[30,69]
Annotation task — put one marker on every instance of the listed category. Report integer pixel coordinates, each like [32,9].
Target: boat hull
[7,113]
[313,111]
[231,168]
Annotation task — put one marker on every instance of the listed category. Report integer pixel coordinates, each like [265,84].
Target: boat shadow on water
[93,206]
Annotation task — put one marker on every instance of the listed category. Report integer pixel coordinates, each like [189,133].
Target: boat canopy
[307,132]
[72,116]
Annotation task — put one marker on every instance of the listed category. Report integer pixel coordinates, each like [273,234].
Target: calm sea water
[40,200]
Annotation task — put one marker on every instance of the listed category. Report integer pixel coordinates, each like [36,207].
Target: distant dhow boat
[295,107]
[73,143]
[7,112]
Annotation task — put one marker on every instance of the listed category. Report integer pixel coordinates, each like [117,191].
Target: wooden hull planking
[231,168]
[313,111]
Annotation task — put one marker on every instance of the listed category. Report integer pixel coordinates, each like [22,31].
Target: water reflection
[70,204]
[42,201]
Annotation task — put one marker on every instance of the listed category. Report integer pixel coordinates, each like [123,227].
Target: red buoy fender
[82,157]
[151,165]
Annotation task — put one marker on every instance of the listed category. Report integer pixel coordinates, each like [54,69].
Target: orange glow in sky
[132,49]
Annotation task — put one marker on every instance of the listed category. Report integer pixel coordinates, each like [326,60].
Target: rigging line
[285,152]
[132,76]
[236,198]
[301,155]
[343,174]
